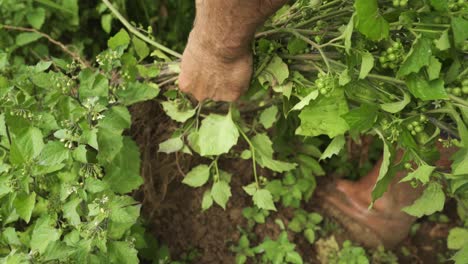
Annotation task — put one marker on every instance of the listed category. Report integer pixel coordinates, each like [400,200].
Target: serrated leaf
[433,69]
[461,256]
[431,201]
[137,92]
[217,135]
[296,46]
[53,153]
[120,39]
[43,234]
[109,135]
[171,145]
[220,192]
[457,238]
[70,213]
[396,107]
[264,154]
[276,72]
[122,252]
[268,116]
[367,64]
[369,21]
[24,205]
[177,113]
[264,200]
[335,146]
[426,90]
[361,118]
[305,101]
[26,146]
[418,57]
[422,174]
[382,180]
[198,176]
[459,165]
[443,43]
[26,38]
[459,26]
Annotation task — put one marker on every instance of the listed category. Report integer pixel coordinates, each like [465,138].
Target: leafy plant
[307,223]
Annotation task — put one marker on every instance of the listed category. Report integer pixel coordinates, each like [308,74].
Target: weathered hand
[217,62]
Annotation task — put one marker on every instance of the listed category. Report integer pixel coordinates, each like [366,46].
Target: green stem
[138,33]
[252,150]
[458,100]
[329,15]
[313,44]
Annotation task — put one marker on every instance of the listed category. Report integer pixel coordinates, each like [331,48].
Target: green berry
[413,133]
[423,118]
[457,91]
[415,123]
[465,82]
[323,91]
[410,127]
[390,50]
[418,129]
[465,89]
[382,59]
[408,165]
[391,57]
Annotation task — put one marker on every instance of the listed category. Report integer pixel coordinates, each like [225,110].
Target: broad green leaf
[43,233]
[459,26]
[171,145]
[348,33]
[36,17]
[109,136]
[335,146]
[123,172]
[198,176]
[426,90]
[276,72]
[141,48]
[344,78]
[92,84]
[106,22]
[305,101]
[431,201]
[262,199]
[396,107]
[27,37]
[122,252]
[53,153]
[70,213]
[10,236]
[120,39]
[461,256]
[24,205]
[433,69]
[459,165]
[264,154]
[369,21]
[361,118]
[138,92]
[296,46]
[322,116]
[422,174]
[220,192]
[207,200]
[268,116]
[42,66]
[293,257]
[217,135]
[177,112]
[366,65]
[418,57]
[457,238]
[439,5]
[443,43]
[26,146]
[383,179]
[123,215]
[3,131]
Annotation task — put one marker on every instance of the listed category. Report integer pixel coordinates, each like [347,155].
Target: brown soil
[174,210]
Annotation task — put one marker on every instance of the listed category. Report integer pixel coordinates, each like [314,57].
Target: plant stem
[138,33]
[252,150]
[458,100]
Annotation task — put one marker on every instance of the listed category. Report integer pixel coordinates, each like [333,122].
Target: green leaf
[268,116]
[459,165]
[138,92]
[123,215]
[369,21]
[305,101]
[24,205]
[43,234]
[109,136]
[361,118]
[348,33]
[123,172]
[439,5]
[366,65]
[176,111]
[344,77]
[53,153]
[461,256]
[217,135]
[433,69]
[276,72]
[141,48]
[26,146]
[220,192]
[459,26]
[396,107]
[418,57]
[422,173]
[322,116]
[120,39]
[443,43]
[36,17]
[293,257]
[198,176]
[26,38]
[207,201]
[171,145]
[431,201]
[457,238]
[70,213]
[121,252]
[334,147]
[92,84]
[106,22]
[426,90]
[263,200]
[264,154]
[296,46]
[382,181]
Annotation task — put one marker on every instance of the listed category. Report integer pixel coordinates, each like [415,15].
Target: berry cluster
[400,3]
[416,127]
[393,56]
[459,91]
[325,83]
[456,5]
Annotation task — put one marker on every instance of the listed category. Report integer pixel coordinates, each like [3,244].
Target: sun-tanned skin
[217,64]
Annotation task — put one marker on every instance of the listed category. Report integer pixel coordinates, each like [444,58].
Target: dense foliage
[324,71]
